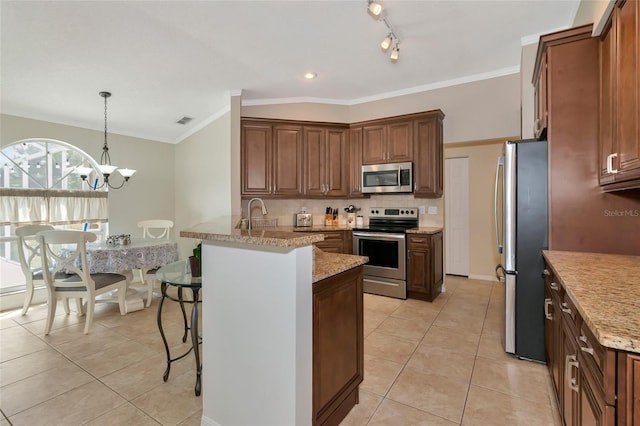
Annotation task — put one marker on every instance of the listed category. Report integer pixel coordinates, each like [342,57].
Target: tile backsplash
[284,210]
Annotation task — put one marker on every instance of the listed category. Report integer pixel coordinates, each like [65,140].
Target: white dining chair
[156,228]
[151,229]
[69,277]
[29,255]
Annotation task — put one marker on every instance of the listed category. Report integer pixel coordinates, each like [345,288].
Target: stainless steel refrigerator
[521,220]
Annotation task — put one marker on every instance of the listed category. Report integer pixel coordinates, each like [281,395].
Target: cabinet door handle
[570,362]
[610,158]
[547,273]
[547,314]
[554,286]
[586,348]
[565,308]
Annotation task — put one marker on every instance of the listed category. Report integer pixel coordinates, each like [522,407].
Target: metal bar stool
[178,274]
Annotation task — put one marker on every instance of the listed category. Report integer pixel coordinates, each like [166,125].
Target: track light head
[375,8]
[395,53]
[386,43]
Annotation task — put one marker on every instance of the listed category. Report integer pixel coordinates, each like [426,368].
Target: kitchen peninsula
[282,327]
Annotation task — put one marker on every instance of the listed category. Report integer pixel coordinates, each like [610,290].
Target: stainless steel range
[384,242]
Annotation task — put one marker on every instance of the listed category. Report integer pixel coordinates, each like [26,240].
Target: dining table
[138,253]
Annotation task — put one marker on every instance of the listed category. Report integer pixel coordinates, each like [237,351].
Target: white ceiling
[163,60]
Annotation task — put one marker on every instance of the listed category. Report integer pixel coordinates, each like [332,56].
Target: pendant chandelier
[105,167]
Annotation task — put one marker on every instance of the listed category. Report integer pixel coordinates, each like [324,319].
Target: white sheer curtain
[24,206]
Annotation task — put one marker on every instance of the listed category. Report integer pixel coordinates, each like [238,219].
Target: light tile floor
[437,363]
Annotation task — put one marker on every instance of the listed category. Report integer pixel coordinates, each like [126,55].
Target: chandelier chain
[105,158]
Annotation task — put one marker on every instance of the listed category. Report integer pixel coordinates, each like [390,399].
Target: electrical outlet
[421,209]
[433,210]
[303,210]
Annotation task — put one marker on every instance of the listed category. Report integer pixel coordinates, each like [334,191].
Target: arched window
[38,184]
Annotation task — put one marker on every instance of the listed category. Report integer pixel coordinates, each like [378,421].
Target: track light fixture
[395,53]
[376,10]
[386,43]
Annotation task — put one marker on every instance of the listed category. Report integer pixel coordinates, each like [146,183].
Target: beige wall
[304,111]
[203,178]
[235,154]
[482,156]
[594,11]
[148,195]
[473,111]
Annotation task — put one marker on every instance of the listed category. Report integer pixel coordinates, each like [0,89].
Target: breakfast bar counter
[272,309]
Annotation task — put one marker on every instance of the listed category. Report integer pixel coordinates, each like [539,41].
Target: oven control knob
[401,211]
[411,211]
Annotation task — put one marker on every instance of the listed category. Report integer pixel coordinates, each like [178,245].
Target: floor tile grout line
[95,378]
[404,366]
[475,359]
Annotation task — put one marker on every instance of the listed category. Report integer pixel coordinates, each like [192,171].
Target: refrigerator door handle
[499,165]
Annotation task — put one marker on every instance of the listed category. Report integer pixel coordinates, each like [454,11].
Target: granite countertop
[224,229]
[424,230]
[321,228]
[606,291]
[326,265]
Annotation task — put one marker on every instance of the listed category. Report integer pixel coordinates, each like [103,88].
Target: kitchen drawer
[599,361]
[333,235]
[418,242]
[569,311]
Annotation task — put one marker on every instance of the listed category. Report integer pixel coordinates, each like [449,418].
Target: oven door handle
[379,235]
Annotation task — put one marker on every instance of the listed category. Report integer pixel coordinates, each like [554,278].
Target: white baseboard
[206,421]
[483,277]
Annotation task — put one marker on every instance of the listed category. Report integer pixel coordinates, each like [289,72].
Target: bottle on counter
[197,254]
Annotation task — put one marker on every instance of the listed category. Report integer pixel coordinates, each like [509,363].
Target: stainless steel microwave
[387,178]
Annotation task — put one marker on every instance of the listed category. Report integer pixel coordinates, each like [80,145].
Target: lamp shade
[84,171]
[107,169]
[126,173]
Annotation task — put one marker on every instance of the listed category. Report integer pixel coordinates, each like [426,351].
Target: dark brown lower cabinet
[553,334]
[594,385]
[338,345]
[628,389]
[424,266]
[336,242]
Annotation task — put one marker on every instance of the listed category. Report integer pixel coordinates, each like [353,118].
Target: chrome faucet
[264,209]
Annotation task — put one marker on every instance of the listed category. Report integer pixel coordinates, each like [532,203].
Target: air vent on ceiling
[184,120]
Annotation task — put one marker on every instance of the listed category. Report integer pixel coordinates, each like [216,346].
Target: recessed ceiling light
[310,75]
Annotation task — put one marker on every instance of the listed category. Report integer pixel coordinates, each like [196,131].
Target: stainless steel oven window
[386,252]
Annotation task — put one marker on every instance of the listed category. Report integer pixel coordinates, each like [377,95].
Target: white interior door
[456,189]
